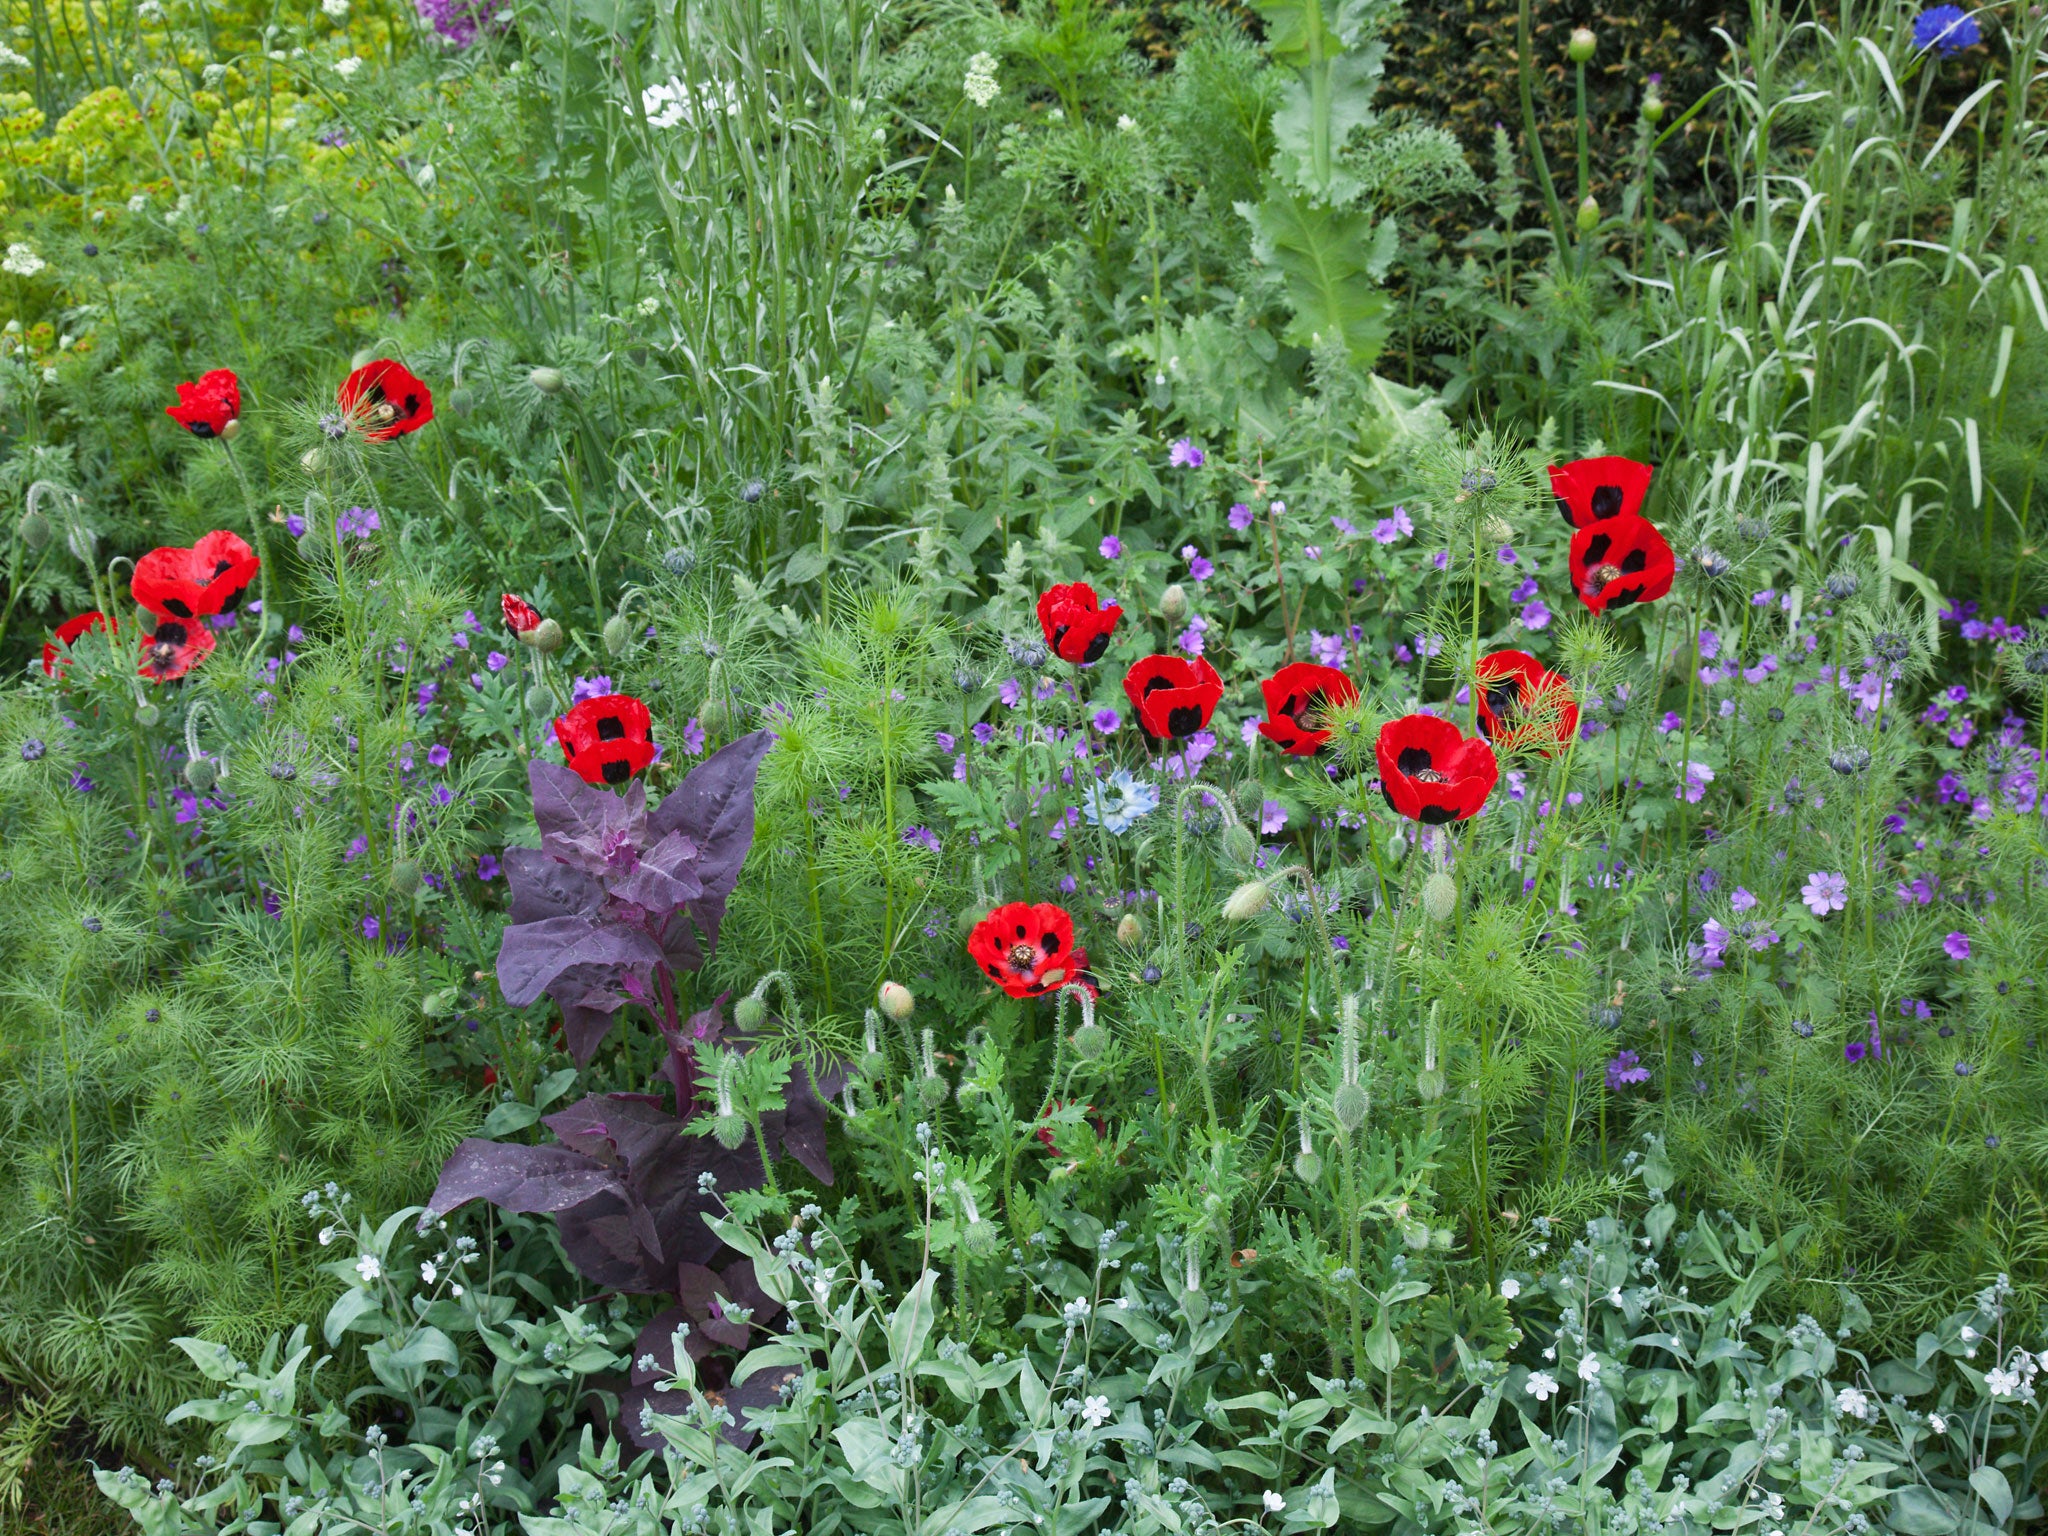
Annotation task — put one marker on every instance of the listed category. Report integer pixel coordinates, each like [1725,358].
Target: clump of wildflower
[980,85]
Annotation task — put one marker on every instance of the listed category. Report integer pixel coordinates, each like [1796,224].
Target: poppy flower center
[1022,957]
[1429,776]
[1605,572]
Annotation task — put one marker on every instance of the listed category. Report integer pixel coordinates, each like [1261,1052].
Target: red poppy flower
[386,399]
[1173,695]
[1052,1106]
[1522,703]
[195,583]
[1593,490]
[520,615]
[1026,950]
[1619,561]
[1295,693]
[1432,772]
[204,409]
[605,739]
[1077,627]
[176,648]
[56,647]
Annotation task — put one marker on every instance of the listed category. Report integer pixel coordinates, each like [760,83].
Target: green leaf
[350,1310]
[1381,1347]
[1036,1398]
[1995,1491]
[868,1447]
[216,1362]
[509,1116]
[766,1356]
[1919,1511]
[1333,262]
[911,1325]
[553,1086]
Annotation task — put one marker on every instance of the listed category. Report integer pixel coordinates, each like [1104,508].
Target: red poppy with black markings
[386,399]
[1077,625]
[56,649]
[1432,772]
[605,740]
[174,648]
[1620,561]
[199,582]
[1094,1122]
[521,617]
[1522,703]
[206,407]
[1173,695]
[1027,950]
[1296,698]
[1593,490]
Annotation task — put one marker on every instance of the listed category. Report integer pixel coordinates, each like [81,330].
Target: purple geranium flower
[1626,1070]
[1184,454]
[1956,946]
[1240,516]
[1112,547]
[1825,892]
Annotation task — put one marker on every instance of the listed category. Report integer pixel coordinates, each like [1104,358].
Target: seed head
[1841,586]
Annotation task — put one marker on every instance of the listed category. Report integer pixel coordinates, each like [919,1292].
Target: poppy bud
[1017,804]
[435,1005]
[1350,1105]
[1582,44]
[1173,604]
[310,547]
[968,918]
[1397,847]
[231,430]
[462,400]
[1129,930]
[618,634]
[1415,1234]
[405,876]
[147,715]
[933,1091]
[1589,215]
[1440,896]
[200,774]
[362,359]
[545,637]
[730,1130]
[1247,901]
[896,1001]
[547,380]
[83,543]
[750,1012]
[1308,1166]
[982,1239]
[145,620]
[34,529]
[1238,843]
[713,715]
[1429,1085]
[1090,1041]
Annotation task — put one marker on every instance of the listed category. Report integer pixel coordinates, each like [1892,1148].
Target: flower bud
[34,529]
[147,715]
[545,637]
[1397,847]
[436,1005]
[968,918]
[1589,215]
[405,876]
[547,380]
[618,634]
[981,1239]
[730,1130]
[1173,604]
[462,400]
[1239,846]
[1440,896]
[896,1001]
[1247,901]
[363,358]
[679,562]
[1582,44]
[231,430]
[539,701]
[750,1012]
[1090,1041]
[1441,1238]
[1350,1104]
[1415,1234]
[1308,1166]
[1429,1085]
[83,543]
[1129,930]
[1017,804]
[714,714]
[1653,106]
[933,1091]
[200,774]
[310,547]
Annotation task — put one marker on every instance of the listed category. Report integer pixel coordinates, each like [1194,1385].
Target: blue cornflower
[1117,805]
[1947,29]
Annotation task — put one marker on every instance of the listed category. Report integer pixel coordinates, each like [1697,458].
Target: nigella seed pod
[34,529]
[1775,715]
[966,679]
[200,774]
[1429,1085]
[1150,975]
[1794,794]
[1891,646]
[547,380]
[2036,663]
[1173,603]
[1841,586]
[539,701]
[545,637]
[405,876]
[618,634]
[1753,529]
[90,924]
[1129,930]
[147,715]
[753,490]
[896,1001]
[679,562]
[1850,760]
[1440,896]
[1350,1104]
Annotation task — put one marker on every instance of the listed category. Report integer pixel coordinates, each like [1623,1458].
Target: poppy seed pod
[545,637]
[750,1012]
[547,380]
[1129,930]
[1350,1104]
[1247,901]
[1582,44]
[34,529]
[896,1001]
[1440,896]
[405,876]
[1173,604]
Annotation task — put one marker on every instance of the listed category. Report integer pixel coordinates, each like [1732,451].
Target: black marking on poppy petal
[1503,697]
[1096,646]
[1153,684]
[179,606]
[995,971]
[1292,707]
[1414,760]
[1183,720]
[221,568]
[1624,597]
[616,770]
[412,405]
[1633,563]
[1606,500]
[1437,815]
[611,728]
[1596,549]
[1050,943]
[1059,638]
[170,634]
[201,429]
[1022,931]
[1388,796]
[1564,510]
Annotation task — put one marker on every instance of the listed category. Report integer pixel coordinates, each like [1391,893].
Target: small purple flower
[1742,900]
[693,737]
[1393,528]
[1441,559]
[1825,892]
[1710,645]
[438,755]
[1506,555]
[1535,614]
[921,837]
[442,795]
[1011,693]
[589,688]
[1272,817]
[1240,516]
[358,846]
[295,524]
[1697,777]
[357,523]
[1524,590]
[1947,29]
[1184,454]
[1198,564]
[371,927]
[1190,639]
[1329,650]
[487,867]
[984,732]
[1625,1071]
[1107,720]
[497,661]
[1956,946]
[1111,547]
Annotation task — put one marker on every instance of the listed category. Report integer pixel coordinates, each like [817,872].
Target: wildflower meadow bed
[926,769]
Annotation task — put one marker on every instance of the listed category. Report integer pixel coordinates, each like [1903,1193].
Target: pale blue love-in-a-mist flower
[1116,805]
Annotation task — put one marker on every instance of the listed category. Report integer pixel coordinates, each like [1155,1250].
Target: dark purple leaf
[576,813]
[615,1127]
[533,954]
[658,1339]
[701,1029]
[715,807]
[607,1240]
[798,1129]
[546,887]
[515,1177]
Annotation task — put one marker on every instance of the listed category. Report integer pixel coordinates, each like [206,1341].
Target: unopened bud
[1090,1041]
[547,380]
[1247,901]
[1350,1104]
[363,358]
[1173,604]
[1308,1166]
[1129,930]
[462,400]
[405,876]
[1397,847]
[1415,1234]
[896,1001]
[545,637]
[933,1091]
[200,774]
[1441,1238]
[968,918]
[982,1239]
[232,430]
[1582,44]
[1589,215]
[679,562]
[750,1012]
[1238,843]
[1440,896]
[311,461]
[1429,1085]
[730,1130]
[1653,106]
[34,529]
[145,620]
[436,1005]
[714,714]
[539,701]
[310,546]
[1017,804]
[618,634]
[147,715]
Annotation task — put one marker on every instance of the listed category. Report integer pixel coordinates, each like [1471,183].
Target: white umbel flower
[980,84]
[22,260]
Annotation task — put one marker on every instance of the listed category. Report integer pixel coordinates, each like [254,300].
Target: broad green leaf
[216,1362]
[1918,1511]
[911,1325]
[1995,1491]
[1333,261]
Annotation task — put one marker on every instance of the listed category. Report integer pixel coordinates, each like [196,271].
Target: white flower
[1274,1502]
[150,10]
[334,10]
[980,84]
[1541,1385]
[1937,1423]
[369,1268]
[49,375]
[1126,123]
[137,203]
[428,1274]
[326,1236]
[425,177]
[1969,1334]
[1852,1402]
[454,1290]
[1510,1288]
[649,304]
[22,261]
[347,66]
[212,75]
[1588,1368]
[2003,1383]
[1095,1412]
[9,56]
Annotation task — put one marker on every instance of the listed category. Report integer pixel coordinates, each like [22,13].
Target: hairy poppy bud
[436,1005]
[405,876]
[1308,1166]
[750,1012]
[1247,901]
[1129,930]
[34,529]
[1582,44]
[310,547]
[896,1001]
[362,359]
[547,380]
[730,1130]
[933,1091]
[618,634]
[147,715]
[1440,896]
[1589,215]
[200,774]
[1397,847]
[231,429]
[1090,1041]
[1415,1234]
[1350,1105]
[982,1239]
[1017,804]
[545,637]
[1173,604]
[714,714]
[1238,843]
[968,918]
[462,400]
[145,620]
[83,543]
[1441,1238]
[539,701]
[1429,1085]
